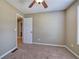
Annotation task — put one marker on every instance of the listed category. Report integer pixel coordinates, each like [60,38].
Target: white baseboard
[72,51]
[48,44]
[7,52]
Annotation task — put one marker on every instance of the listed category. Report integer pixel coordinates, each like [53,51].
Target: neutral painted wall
[7,27]
[48,27]
[71,28]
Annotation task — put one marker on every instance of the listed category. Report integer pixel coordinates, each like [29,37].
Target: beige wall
[48,27]
[71,27]
[7,26]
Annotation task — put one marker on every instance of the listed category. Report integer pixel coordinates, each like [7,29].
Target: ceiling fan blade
[32,4]
[44,4]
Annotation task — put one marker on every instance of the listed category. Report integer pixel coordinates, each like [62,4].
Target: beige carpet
[40,52]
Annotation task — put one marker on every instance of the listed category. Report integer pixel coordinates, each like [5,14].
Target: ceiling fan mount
[39,2]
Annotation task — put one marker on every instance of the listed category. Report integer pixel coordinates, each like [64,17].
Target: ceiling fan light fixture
[42,2]
[39,1]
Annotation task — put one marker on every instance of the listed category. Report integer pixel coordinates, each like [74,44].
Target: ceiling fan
[39,2]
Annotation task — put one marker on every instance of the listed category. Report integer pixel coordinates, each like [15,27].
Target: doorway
[19,31]
[24,31]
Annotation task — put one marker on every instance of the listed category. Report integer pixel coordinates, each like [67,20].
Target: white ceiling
[53,5]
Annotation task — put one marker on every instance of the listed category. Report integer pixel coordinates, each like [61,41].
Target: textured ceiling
[53,5]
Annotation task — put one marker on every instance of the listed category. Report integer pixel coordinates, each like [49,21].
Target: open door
[27,30]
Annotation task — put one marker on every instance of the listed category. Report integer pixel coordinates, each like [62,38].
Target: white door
[27,30]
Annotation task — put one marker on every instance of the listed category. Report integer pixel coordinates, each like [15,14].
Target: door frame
[17,14]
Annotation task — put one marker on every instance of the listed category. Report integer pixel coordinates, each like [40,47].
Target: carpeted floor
[40,52]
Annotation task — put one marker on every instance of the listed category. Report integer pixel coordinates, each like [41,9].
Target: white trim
[16,30]
[78,25]
[72,51]
[7,52]
[48,44]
